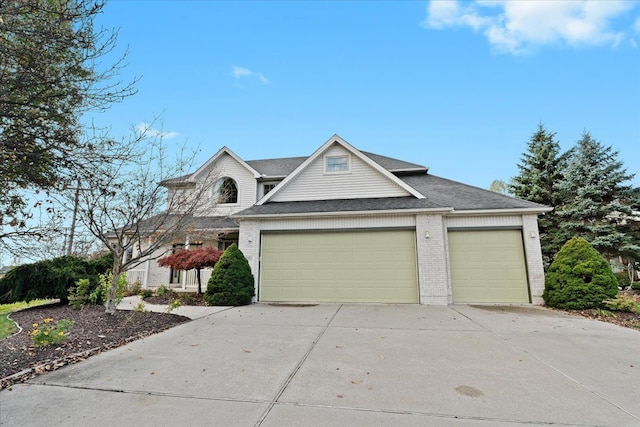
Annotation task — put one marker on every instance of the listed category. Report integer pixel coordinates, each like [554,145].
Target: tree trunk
[113,291]
[199,285]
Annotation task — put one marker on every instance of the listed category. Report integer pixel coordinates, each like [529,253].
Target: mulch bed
[185,298]
[93,332]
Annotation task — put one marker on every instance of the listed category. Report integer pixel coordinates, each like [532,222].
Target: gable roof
[276,168]
[335,139]
[224,150]
[440,195]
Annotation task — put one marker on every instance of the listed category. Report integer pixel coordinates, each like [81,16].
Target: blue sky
[456,86]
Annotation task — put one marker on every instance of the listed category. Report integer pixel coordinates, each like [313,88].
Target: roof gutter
[519,211]
[345,213]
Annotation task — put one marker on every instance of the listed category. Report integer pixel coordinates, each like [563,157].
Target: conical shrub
[231,281]
[579,278]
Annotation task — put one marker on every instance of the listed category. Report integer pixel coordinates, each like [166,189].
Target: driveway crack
[296,369]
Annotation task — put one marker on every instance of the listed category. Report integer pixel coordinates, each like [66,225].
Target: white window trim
[326,164]
[217,186]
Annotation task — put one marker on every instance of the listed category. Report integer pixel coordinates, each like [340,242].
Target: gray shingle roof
[439,193]
[341,205]
[195,222]
[281,167]
[394,165]
[445,192]
[276,167]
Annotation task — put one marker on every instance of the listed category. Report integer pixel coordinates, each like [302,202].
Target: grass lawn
[7,327]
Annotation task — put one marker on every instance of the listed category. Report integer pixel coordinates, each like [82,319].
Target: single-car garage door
[341,266]
[488,266]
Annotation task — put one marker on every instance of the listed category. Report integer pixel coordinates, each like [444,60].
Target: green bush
[231,281]
[579,278]
[622,303]
[623,279]
[49,279]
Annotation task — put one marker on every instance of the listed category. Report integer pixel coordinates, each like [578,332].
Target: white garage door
[488,266]
[341,266]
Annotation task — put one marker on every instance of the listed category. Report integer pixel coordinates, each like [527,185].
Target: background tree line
[589,189]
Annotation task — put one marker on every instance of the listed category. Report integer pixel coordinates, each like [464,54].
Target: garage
[370,266]
[488,266]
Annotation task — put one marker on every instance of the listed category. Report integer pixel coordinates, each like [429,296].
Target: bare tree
[125,204]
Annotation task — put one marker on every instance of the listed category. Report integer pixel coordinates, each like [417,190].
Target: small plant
[162,289]
[622,303]
[623,279]
[603,313]
[101,293]
[146,293]
[134,288]
[49,332]
[174,304]
[79,295]
[140,308]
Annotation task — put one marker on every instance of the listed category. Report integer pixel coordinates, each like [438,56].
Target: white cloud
[241,72]
[146,130]
[518,26]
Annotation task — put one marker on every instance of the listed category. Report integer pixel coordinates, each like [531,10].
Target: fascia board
[225,150]
[337,139]
[344,213]
[520,211]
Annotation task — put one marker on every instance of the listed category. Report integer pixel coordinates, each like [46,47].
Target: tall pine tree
[541,170]
[595,199]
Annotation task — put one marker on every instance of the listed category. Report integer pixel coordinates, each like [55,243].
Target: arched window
[226,190]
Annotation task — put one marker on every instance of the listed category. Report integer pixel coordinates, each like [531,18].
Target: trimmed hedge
[231,281]
[579,278]
[50,278]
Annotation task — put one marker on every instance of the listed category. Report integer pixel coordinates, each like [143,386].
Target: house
[344,225]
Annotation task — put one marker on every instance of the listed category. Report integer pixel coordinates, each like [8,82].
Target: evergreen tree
[231,281]
[540,172]
[596,201]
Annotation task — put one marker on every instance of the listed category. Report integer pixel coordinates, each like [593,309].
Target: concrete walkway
[190,311]
[350,365]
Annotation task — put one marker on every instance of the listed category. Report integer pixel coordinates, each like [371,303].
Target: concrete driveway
[350,365]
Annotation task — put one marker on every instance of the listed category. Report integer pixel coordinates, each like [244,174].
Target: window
[267,188]
[224,244]
[226,190]
[337,164]
[175,275]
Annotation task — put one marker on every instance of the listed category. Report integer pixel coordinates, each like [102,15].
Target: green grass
[7,327]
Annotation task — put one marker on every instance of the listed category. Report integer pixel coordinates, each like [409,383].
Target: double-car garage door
[339,266]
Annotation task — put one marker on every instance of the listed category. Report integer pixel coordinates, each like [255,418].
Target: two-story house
[344,225]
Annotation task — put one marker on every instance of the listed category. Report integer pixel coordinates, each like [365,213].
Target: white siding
[484,221]
[361,182]
[226,166]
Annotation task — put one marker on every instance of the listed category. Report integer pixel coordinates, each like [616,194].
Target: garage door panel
[488,266]
[362,266]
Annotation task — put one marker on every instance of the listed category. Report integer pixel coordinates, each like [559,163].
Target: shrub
[231,281]
[622,303]
[162,289]
[146,293]
[623,279]
[79,294]
[579,278]
[50,278]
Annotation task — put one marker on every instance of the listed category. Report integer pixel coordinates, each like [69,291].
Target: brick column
[433,270]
